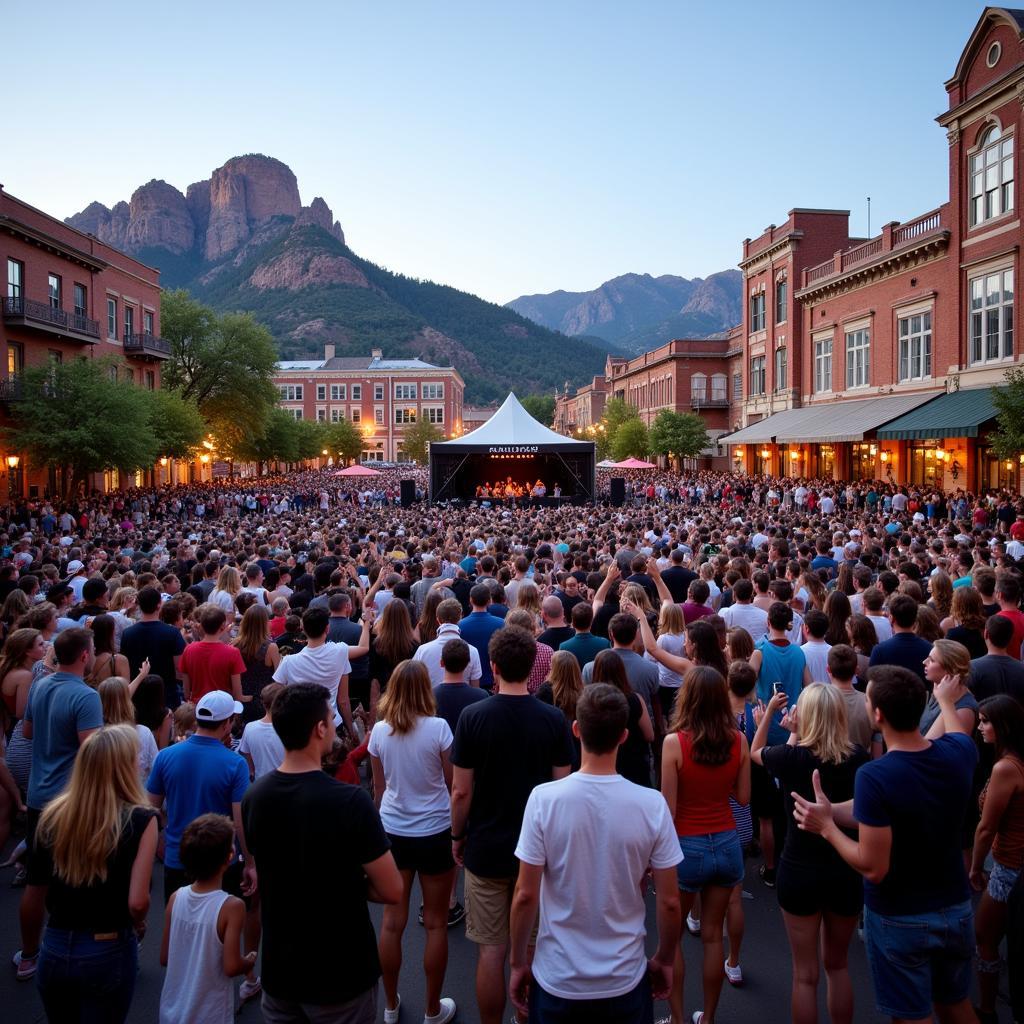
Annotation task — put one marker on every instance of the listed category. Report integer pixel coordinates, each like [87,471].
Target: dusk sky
[502,149]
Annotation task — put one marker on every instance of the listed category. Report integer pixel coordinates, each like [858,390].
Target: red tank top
[702,798]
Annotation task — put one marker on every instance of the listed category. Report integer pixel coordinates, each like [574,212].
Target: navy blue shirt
[907,650]
[476,629]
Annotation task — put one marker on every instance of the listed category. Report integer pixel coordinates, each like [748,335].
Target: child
[260,745]
[201,946]
[184,721]
[278,621]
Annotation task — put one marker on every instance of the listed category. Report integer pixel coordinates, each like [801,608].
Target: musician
[539,490]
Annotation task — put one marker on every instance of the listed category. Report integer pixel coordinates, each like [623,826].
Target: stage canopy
[512,444]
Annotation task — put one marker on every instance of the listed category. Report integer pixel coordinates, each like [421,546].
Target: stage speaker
[617,486]
[408,495]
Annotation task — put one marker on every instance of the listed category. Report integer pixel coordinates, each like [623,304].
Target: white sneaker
[692,924]
[391,1016]
[443,1015]
[733,974]
[249,990]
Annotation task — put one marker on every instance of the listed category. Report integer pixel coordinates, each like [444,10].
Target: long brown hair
[609,668]
[566,682]
[968,608]
[427,624]
[838,610]
[703,712]
[253,631]
[394,640]
[408,698]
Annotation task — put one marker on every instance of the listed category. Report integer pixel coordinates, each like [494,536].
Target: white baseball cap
[75,565]
[216,706]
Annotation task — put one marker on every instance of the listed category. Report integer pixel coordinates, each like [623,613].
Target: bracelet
[459,838]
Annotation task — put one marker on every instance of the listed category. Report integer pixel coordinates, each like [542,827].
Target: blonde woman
[671,638]
[118,709]
[412,779]
[819,894]
[948,658]
[95,846]
[528,600]
[229,586]
[22,651]
[123,609]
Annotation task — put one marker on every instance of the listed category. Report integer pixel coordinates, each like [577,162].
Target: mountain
[242,240]
[635,312]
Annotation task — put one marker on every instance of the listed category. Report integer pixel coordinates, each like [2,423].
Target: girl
[633,760]
[118,709]
[229,585]
[261,658]
[392,643]
[562,689]
[948,658]
[671,638]
[107,663]
[23,650]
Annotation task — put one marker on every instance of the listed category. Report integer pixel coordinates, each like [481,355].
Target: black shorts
[427,855]
[765,795]
[804,889]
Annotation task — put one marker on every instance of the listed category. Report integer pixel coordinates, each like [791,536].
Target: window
[991,324]
[780,301]
[290,392]
[112,319]
[915,336]
[15,358]
[737,386]
[357,392]
[405,391]
[129,375]
[337,415]
[151,385]
[339,392]
[129,320]
[823,365]
[757,312]
[113,373]
[405,415]
[995,51]
[433,391]
[321,392]
[295,413]
[991,174]
[378,392]
[719,388]
[378,415]
[757,381]
[81,308]
[858,361]
[321,415]
[56,357]
[780,369]
[147,322]
[698,388]
[357,414]
[435,414]
[55,286]
[15,279]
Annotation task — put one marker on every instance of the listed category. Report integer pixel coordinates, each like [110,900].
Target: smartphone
[776,687]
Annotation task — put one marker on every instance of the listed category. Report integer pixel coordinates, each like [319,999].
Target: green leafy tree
[1008,438]
[343,440]
[309,440]
[616,412]
[278,441]
[416,438]
[176,423]
[630,439]
[541,408]
[683,435]
[75,417]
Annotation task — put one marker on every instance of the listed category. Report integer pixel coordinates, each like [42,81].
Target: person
[478,627]
[162,644]
[842,669]
[908,806]
[92,860]
[503,748]
[210,664]
[677,577]
[1008,592]
[260,745]
[584,849]
[634,755]
[201,944]
[453,695]
[260,657]
[107,662]
[116,701]
[412,776]
[704,760]
[743,613]
[318,844]
[562,689]
[904,648]
[22,651]
[229,585]
[342,630]
[814,648]
[556,631]
[1001,834]
[391,643]
[997,672]
[449,612]
[671,638]
[966,622]
[948,658]
[819,894]
[583,645]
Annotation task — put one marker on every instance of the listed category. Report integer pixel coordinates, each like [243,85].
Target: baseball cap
[216,706]
[75,565]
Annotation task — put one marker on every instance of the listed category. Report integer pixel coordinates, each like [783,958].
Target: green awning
[957,414]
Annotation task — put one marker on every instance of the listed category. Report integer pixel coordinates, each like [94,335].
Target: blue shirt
[785,664]
[907,650]
[477,628]
[60,706]
[199,776]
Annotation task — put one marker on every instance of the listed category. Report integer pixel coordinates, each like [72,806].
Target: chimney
[376,353]
[328,352]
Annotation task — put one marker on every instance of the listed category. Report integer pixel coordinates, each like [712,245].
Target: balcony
[11,390]
[146,346]
[706,400]
[41,316]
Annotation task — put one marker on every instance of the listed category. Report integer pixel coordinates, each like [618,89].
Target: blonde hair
[116,701]
[528,597]
[83,824]
[821,723]
[408,698]
[123,597]
[953,657]
[635,593]
[670,620]
[229,581]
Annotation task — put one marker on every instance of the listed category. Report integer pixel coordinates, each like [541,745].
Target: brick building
[874,358]
[583,408]
[70,296]
[381,396]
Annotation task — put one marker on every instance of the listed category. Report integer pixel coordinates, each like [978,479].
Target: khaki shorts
[488,909]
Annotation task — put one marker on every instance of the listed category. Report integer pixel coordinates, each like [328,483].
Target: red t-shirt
[210,666]
[1017,618]
[1017,530]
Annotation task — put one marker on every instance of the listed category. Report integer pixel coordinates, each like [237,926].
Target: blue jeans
[635,1007]
[712,859]
[84,980]
[917,960]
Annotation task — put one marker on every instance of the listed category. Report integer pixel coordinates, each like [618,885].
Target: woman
[391,643]
[562,689]
[107,663]
[412,780]
[15,605]
[22,651]
[229,586]
[838,610]
[1001,832]
[927,626]
[151,708]
[671,638]
[705,760]
[94,857]
[426,626]
[739,646]
[966,621]
[819,894]
[528,599]
[863,639]
[261,658]
[633,761]
[948,658]
[118,709]
[941,593]
[702,646]
[122,609]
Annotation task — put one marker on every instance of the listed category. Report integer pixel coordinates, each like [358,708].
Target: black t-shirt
[453,698]
[633,759]
[511,744]
[972,639]
[997,673]
[678,580]
[555,636]
[310,836]
[160,643]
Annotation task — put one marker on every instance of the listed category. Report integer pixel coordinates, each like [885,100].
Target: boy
[842,669]
[260,745]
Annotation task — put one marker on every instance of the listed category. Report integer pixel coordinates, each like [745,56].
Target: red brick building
[893,343]
[381,396]
[70,296]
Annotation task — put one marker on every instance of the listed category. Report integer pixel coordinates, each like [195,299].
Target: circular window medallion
[995,51]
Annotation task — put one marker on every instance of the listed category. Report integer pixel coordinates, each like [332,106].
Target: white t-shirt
[223,600]
[746,616]
[147,750]
[263,745]
[416,801]
[595,836]
[259,593]
[816,656]
[325,665]
[883,627]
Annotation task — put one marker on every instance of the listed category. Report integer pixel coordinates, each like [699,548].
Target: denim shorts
[918,960]
[712,859]
[1001,882]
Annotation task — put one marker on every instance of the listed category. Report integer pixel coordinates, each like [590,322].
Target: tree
[630,439]
[541,408]
[1008,438]
[683,435]
[416,439]
[278,441]
[343,440]
[309,440]
[176,424]
[616,412]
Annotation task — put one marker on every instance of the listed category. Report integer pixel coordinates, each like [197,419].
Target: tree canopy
[416,438]
[630,439]
[683,435]
[540,407]
[343,440]
[1008,437]
[176,424]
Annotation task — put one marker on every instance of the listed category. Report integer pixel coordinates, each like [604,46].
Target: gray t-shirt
[642,676]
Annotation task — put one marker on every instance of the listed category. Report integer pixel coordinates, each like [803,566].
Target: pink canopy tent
[357,471]
[632,463]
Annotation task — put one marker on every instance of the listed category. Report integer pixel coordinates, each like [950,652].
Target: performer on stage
[539,490]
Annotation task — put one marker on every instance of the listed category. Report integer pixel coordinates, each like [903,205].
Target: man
[823,559]
[419,590]
[210,663]
[503,747]
[584,646]
[568,593]
[996,672]
[642,674]
[908,807]
[1008,598]
[696,604]
[814,647]
[556,632]
[153,639]
[76,577]
[342,630]
[905,647]
[321,854]
[743,613]
[61,714]
[254,584]
[449,611]
[94,600]
[324,663]
[642,578]
[453,694]
[521,565]
[874,610]
[590,962]
[479,626]
[842,669]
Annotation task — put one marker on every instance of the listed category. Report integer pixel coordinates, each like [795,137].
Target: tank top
[196,989]
[1008,846]
[702,797]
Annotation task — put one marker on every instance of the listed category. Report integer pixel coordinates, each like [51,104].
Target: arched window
[699,387]
[719,388]
[991,176]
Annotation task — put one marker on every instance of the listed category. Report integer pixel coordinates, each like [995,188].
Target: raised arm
[611,575]
[655,573]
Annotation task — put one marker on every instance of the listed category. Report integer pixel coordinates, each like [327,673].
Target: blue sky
[502,149]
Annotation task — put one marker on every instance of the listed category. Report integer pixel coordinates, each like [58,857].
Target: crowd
[299,697]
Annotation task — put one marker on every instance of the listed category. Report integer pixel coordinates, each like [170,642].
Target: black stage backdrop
[457,475]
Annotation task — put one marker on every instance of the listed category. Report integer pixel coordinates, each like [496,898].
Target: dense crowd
[299,697]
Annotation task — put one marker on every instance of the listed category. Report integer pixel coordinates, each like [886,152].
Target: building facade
[382,397]
[70,296]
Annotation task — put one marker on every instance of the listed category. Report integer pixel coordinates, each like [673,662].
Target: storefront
[993,472]
[924,466]
[862,460]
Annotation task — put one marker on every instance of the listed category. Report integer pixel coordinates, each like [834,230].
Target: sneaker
[767,875]
[249,990]
[456,914]
[698,1017]
[692,924]
[25,966]
[443,1015]
[734,975]
[391,1016]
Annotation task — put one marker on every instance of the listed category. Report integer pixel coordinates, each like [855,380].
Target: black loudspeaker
[408,493]
[617,486]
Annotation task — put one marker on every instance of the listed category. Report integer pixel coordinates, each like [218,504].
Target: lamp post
[13,477]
